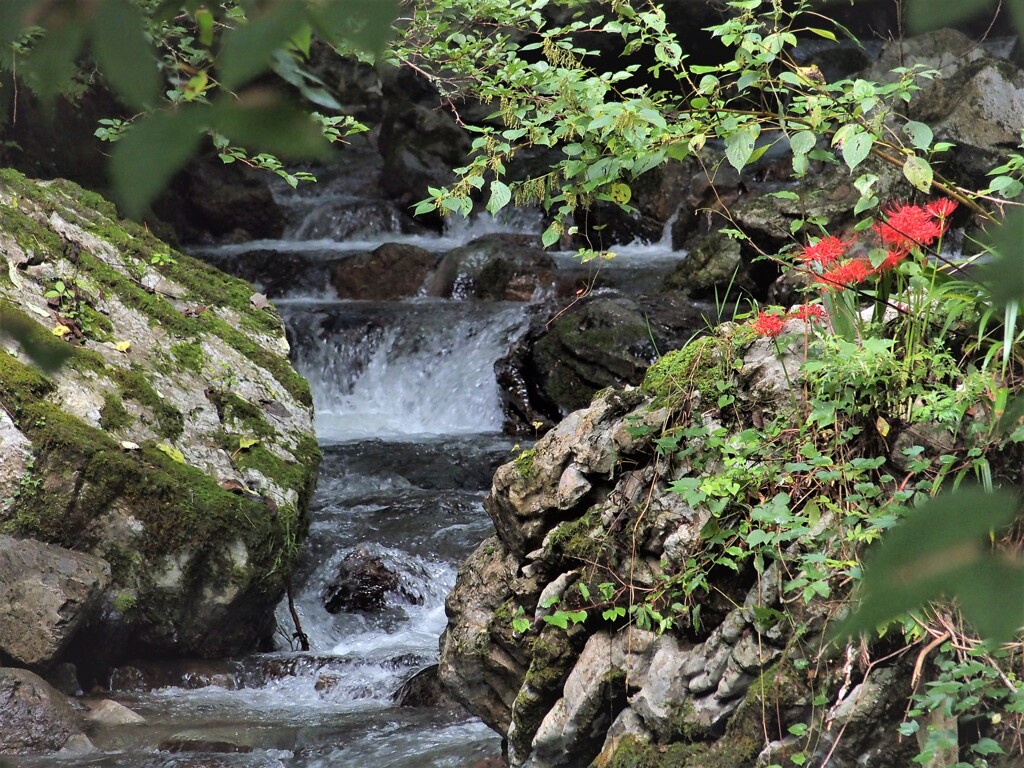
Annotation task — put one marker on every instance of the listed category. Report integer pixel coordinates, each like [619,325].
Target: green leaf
[551,234]
[620,193]
[920,134]
[151,152]
[366,24]
[739,146]
[803,142]
[123,53]
[918,172]
[171,451]
[501,195]
[204,20]
[823,33]
[247,442]
[943,550]
[248,48]
[559,619]
[856,148]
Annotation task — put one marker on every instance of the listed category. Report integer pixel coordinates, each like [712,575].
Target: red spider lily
[908,226]
[896,255]
[826,251]
[942,208]
[768,325]
[847,273]
[809,312]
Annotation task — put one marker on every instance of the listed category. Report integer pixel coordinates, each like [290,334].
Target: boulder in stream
[363,583]
[45,593]
[35,716]
[152,419]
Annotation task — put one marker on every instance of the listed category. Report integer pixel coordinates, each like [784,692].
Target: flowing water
[408,416]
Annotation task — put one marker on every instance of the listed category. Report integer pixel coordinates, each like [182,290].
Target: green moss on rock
[113,414]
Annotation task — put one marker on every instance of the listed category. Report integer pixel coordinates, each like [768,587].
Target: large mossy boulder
[154,420]
[591,519]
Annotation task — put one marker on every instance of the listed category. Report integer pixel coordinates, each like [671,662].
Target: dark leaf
[365,24]
[262,120]
[51,64]
[151,152]
[123,54]
[248,48]
[942,550]
[49,355]
[924,15]
[1004,275]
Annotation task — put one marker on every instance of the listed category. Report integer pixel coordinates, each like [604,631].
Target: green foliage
[187,70]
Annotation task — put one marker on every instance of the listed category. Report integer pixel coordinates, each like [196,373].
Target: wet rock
[64,677]
[391,271]
[108,712]
[713,264]
[178,673]
[424,689]
[212,201]
[46,592]
[15,453]
[558,364]
[494,267]
[35,716]
[362,584]
[420,145]
[200,744]
[482,672]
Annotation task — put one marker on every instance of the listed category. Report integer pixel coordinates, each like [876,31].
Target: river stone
[494,267]
[151,446]
[572,731]
[362,583]
[390,271]
[35,716]
[108,712]
[45,594]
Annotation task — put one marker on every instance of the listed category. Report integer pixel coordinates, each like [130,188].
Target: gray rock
[35,716]
[108,712]
[15,453]
[134,446]
[45,594]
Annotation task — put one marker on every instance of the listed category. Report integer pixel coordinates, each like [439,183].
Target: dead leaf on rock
[259,301]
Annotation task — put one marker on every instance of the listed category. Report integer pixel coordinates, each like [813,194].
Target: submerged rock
[157,422]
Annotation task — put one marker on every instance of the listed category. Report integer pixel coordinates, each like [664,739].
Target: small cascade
[412,368]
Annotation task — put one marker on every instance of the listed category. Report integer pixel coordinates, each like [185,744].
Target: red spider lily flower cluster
[770,325]
[906,228]
[809,312]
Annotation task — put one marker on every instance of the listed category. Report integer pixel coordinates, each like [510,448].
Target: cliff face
[615,620]
[149,416]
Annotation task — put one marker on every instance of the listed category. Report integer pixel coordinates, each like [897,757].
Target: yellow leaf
[123,346]
[621,193]
[171,451]
[61,330]
[247,442]
[882,426]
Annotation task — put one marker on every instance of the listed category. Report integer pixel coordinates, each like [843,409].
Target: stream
[409,418]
